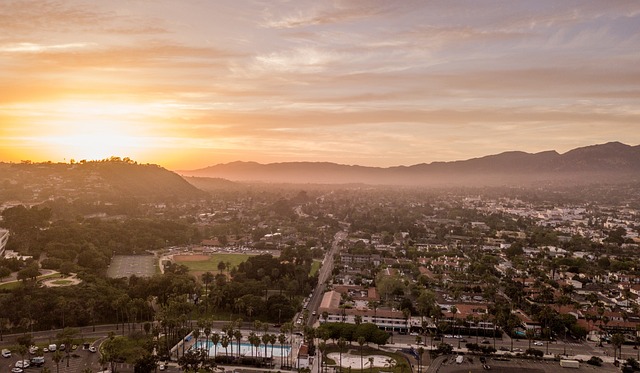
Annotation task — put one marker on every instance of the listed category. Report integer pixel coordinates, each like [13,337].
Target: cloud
[325,13]
[37,48]
[301,60]
[38,17]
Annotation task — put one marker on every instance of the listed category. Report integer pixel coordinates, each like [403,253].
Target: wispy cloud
[37,48]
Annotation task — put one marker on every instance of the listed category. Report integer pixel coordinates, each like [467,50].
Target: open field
[127,265]
[209,263]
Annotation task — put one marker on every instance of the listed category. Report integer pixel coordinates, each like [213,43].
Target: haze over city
[194,83]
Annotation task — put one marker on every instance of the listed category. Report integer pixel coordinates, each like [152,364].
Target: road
[571,348]
[324,274]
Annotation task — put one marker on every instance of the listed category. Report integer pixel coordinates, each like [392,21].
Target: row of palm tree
[231,332]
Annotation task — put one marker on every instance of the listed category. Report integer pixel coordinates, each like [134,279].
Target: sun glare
[93,131]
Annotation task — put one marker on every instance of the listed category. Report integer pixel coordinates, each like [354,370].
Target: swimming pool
[246,349]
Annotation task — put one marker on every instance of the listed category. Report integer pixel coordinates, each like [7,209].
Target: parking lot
[78,361]
[472,364]
[127,265]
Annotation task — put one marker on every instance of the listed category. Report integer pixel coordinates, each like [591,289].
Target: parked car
[22,364]
[6,353]
[17,370]
[92,349]
[37,361]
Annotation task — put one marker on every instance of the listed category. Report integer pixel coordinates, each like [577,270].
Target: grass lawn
[315,267]
[15,284]
[10,285]
[62,282]
[211,265]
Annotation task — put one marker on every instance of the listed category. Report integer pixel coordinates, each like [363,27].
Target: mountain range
[603,163]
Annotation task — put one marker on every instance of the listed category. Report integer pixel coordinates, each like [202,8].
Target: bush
[534,352]
[595,361]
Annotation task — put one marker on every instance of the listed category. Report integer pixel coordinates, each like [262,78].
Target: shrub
[595,361]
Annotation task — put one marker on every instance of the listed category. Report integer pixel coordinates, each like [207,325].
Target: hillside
[96,179]
[607,163]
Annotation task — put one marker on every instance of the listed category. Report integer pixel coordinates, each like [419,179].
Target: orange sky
[187,84]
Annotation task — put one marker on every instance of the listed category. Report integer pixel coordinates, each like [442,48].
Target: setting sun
[190,84]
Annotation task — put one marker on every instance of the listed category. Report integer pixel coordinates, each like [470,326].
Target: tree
[66,336]
[282,339]
[420,352]
[191,360]
[322,346]
[361,342]
[29,273]
[617,340]
[237,334]
[57,358]
[145,364]
[224,342]
[530,333]
[342,343]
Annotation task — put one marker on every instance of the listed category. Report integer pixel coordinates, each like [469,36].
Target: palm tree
[237,334]
[272,340]
[281,339]
[617,340]
[358,319]
[420,352]
[361,342]
[530,333]
[407,315]
[342,343]
[322,346]
[325,316]
[224,342]
[265,340]
[638,339]
[215,339]
[57,358]
[454,310]
[255,341]
[374,305]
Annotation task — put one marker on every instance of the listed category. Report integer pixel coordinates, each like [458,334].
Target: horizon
[132,160]
[189,85]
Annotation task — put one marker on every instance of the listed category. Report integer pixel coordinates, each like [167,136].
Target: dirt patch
[190,258]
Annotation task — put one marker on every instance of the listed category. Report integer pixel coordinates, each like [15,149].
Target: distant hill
[95,179]
[605,163]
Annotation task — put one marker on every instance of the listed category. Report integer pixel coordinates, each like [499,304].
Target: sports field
[209,263]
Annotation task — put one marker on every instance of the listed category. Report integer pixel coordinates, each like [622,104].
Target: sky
[187,84]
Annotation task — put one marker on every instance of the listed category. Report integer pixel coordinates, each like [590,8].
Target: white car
[6,353]
[22,364]
[92,349]
[538,343]
[17,370]
[162,367]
